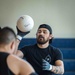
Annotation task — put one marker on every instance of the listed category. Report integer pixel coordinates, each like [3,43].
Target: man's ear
[51,36]
[12,45]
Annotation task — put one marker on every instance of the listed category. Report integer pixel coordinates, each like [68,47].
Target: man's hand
[46,65]
[21,34]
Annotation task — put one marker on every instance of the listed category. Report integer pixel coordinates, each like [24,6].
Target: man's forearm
[19,54]
[57,70]
[16,46]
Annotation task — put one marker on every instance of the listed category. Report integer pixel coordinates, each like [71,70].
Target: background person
[11,64]
[44,58]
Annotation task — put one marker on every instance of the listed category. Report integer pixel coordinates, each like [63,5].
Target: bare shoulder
[18,65]
[12,62]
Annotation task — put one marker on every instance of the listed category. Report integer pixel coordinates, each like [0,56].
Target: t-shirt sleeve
[58,55]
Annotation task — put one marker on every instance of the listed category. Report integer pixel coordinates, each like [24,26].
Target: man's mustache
[40,36]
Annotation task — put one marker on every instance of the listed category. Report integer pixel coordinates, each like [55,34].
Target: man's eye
[39,31]
[45,32]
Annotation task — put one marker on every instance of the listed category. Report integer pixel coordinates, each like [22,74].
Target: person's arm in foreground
[20,35]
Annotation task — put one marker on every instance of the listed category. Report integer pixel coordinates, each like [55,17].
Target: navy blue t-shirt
[34,55]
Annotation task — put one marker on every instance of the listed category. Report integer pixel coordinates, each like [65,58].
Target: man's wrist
[50,67]
[19,37]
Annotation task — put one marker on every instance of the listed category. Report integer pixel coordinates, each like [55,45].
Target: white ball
[25,23]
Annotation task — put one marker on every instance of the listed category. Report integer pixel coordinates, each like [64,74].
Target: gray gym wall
[59,14]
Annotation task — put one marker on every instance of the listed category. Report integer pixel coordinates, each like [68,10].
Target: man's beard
[41,40]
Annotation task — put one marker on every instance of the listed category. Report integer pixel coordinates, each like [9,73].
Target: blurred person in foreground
[10,64]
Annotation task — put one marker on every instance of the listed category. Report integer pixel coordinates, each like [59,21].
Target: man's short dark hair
[46,26]
[6,35]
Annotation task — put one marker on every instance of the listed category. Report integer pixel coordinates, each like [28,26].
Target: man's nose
[41,33]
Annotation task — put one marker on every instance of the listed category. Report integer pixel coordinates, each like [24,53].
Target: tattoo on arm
[57,70]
